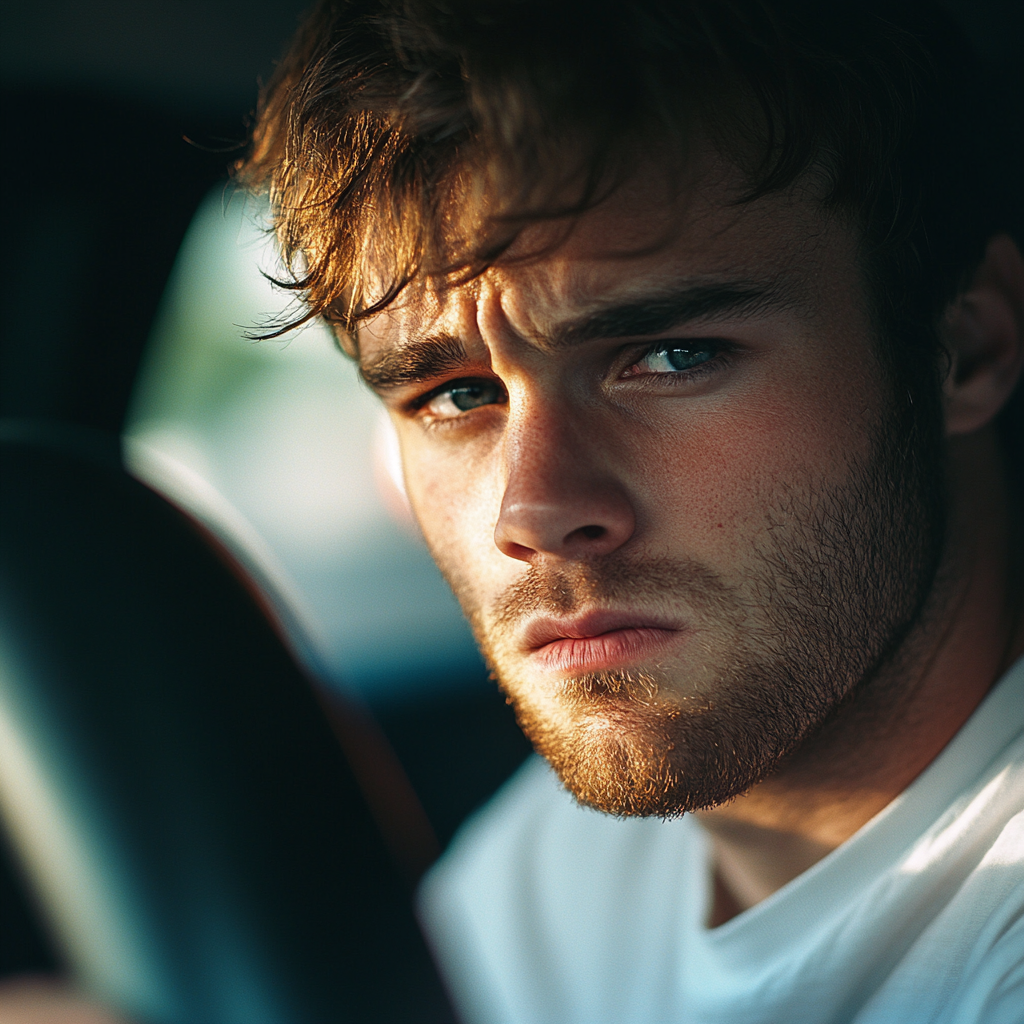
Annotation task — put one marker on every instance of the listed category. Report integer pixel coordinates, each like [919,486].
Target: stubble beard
[826,602]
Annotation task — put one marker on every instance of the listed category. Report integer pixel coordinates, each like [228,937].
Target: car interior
[240,712]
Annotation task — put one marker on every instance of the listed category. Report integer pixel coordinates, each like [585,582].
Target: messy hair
[420,137]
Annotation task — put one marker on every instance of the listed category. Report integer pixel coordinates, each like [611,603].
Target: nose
[562,499]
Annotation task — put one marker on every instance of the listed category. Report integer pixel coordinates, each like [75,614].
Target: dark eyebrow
[664,311]
[416,361]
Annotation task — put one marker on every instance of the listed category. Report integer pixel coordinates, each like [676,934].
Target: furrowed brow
[416,361]
[664,311]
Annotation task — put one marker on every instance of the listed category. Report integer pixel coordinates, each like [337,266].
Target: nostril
[561,515]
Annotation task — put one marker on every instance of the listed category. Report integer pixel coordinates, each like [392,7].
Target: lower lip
[615,649]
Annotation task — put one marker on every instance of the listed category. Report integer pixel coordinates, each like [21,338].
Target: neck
[971,630]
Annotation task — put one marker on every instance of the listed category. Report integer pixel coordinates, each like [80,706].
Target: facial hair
[773,655]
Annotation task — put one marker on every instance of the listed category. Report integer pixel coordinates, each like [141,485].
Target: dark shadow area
[25,945]
[97,207]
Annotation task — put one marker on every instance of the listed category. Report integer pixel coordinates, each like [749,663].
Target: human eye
[458,397]
[678,357]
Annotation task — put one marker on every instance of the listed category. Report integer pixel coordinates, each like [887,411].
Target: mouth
[597,641]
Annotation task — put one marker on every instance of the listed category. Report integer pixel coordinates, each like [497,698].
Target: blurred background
[131,273]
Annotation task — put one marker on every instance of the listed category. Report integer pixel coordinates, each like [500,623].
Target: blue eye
[463,396]
[472,396]
[676,357]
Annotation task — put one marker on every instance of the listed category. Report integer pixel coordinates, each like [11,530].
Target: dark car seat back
[197,836]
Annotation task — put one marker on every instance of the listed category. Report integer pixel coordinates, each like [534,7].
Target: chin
[622,749]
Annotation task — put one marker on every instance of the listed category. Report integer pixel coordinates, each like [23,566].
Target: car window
[282,450]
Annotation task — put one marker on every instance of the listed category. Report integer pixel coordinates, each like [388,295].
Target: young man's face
[661,467]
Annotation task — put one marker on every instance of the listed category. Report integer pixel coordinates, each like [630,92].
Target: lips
[596,641]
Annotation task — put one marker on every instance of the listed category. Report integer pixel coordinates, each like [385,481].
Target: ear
[984,334]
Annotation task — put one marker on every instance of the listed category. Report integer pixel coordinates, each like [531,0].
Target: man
[698,323]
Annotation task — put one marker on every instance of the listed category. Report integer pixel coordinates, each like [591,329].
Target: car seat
[209,841]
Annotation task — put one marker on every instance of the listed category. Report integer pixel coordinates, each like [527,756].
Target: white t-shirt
[544,912]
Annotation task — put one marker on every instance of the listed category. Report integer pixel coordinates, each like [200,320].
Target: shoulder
[535,823]
[534,834]
[991,906]
[539,891]
[966,966]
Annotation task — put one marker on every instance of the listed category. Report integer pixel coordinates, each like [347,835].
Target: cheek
[454,497]
[727,477]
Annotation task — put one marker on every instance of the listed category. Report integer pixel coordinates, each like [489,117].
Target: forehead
[649,237]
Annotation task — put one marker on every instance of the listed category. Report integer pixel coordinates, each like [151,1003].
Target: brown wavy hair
[419,137]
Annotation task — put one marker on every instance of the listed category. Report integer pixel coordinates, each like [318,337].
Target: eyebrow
[433,357]
[661,312]
[415,361]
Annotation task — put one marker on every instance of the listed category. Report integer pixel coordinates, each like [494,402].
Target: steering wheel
[204,847]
